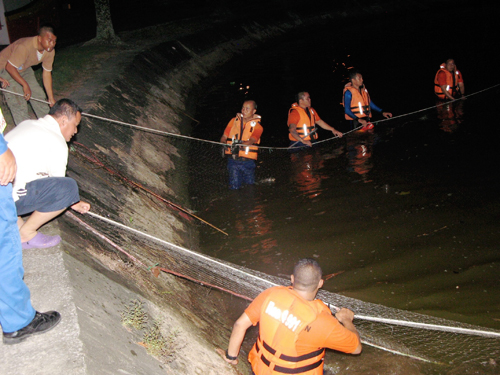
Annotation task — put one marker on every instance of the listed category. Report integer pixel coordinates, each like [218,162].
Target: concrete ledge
[59,351]
[90,339]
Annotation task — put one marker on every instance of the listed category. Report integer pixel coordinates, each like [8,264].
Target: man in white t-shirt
[40,186]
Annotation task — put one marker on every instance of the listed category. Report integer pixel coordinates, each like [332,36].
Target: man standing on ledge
[245,130]
[294,327]
[18,318]
[16,61]
[40,186]
[448,82]
[357,103]
[302,121]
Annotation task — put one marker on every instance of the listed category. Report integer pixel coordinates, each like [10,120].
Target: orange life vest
[306,125]
[243,132]
[360,102]
[283,316]
[451,82]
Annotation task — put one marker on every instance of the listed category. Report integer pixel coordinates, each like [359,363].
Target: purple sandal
[41,241]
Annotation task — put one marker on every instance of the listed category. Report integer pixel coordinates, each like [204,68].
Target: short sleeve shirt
[22,54]
[325,332]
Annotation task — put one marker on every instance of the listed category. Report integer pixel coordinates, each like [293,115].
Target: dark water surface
[406,214]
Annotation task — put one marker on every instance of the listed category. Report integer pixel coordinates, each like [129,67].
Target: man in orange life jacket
[302,121]
[294,327]
[240,134]
[357,104]
[448,82]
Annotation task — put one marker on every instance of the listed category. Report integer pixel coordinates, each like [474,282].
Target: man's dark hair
[353,73]
[300,95]
[306,275]
[46,29]
[254,103]
[65,107]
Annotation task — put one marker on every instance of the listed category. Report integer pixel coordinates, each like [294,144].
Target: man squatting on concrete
[40,186]
[18,318]
[357,102]
[245,130]
[294,327]
[16,61]
[302,121]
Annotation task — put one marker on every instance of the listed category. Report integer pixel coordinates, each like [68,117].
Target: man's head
[303,99]
[356,78]
[46,38]
[450,65]
[248,108]
[68,115]
[307,275]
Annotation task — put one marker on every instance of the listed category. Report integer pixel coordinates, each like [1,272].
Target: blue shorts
[48,195]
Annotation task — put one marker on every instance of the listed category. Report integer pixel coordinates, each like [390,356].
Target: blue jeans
[16,311]
[241,172]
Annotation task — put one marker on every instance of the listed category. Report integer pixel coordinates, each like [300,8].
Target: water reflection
[252,222]
[262,249]
[307,172]
[451,114]
[359,153]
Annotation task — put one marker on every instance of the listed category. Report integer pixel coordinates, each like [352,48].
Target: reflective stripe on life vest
[306,125]
[284,315]
[243,133]
[451,82]
[360,102]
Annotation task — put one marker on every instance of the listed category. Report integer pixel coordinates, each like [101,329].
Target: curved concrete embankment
[150,82]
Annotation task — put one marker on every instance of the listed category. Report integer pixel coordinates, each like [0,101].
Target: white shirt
[40,150]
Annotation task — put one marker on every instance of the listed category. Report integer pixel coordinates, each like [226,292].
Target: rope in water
[376,319]
[103,237]
[418,111]
[161,132]
[428,326]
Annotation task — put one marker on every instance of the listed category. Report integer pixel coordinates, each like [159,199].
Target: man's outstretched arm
[237,335]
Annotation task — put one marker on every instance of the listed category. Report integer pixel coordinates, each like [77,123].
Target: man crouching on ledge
[40,186]
[294,327]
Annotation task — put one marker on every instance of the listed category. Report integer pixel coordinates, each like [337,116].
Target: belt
[287,370]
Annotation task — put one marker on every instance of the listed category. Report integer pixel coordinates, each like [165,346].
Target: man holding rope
[357,103]
[40,186]
[294,327]
[448,82]
[302,121]
[16,61]
[241,135]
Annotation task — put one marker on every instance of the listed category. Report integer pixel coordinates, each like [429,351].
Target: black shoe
[42,322]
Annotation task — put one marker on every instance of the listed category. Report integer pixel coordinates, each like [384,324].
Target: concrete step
[90,338]
[59,350]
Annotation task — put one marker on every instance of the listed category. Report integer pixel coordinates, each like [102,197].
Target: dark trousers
[241,172]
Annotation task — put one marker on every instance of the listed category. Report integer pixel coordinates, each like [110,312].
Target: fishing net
[203,164]
[423,337]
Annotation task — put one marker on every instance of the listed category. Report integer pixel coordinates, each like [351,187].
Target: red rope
[182,211]
[134,259]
